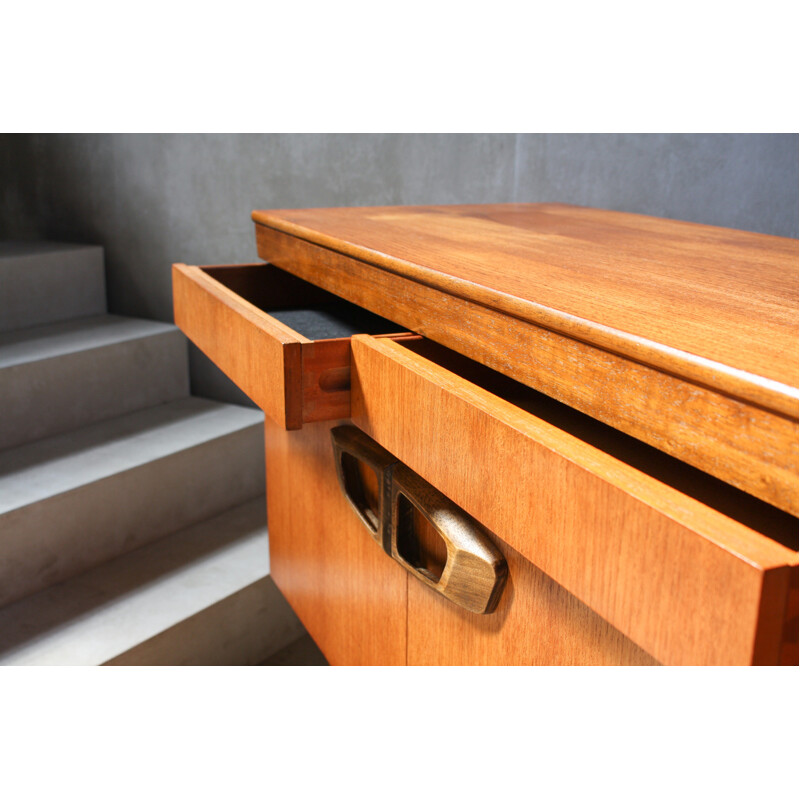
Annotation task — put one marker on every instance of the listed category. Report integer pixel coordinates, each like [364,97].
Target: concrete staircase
[132,521]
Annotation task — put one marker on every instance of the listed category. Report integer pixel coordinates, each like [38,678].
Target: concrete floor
[300,653]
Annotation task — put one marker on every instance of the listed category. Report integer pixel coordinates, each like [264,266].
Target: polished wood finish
[349,595]
[537,622]
[326,379]
[724,295]
[356,602]
[291,378]
[790,653]
[684,581]
[259,353]
[474,571]
[640,543]
[682,335]
[417,525]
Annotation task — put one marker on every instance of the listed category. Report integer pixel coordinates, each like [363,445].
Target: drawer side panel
[263,359]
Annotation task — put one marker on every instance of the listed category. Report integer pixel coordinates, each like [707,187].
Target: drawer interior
[284,342]
[308,310]
[734,503]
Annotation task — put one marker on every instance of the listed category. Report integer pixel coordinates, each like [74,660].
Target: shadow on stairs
[132,515]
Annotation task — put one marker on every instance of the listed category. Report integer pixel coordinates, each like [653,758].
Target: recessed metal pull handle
[364,470]
[414,523]
[468,570]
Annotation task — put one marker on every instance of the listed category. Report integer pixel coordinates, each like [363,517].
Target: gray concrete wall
[151,199]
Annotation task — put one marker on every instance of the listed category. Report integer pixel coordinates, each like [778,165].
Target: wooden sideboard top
[711,304]
[682,335]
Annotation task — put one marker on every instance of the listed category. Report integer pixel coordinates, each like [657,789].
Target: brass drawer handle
[366,491]
[420,528]
[473,572]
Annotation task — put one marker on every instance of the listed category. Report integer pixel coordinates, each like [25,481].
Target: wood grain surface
[685,582]
[736,425]
[261,355]
[348,593]
[326,379]
[790,652]
[723,295]
[537,622]
[291,378]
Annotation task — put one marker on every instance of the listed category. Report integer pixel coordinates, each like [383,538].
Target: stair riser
[54,539]
[54,395]
[50,287]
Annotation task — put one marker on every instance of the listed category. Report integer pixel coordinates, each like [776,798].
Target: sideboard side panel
[348,594]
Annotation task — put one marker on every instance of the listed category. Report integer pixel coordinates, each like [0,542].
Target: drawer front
[685,582]
[292,378]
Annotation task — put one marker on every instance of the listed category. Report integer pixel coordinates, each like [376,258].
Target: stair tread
[60,338]
[38,470]
[93,617]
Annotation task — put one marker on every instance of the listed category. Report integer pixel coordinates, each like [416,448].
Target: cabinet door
[537,622]
[348,594]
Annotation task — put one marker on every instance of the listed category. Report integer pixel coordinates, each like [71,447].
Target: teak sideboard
[520,434]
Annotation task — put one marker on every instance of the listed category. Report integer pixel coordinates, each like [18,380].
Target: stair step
[57,377]
[200,596]
[47,282]
[73,501]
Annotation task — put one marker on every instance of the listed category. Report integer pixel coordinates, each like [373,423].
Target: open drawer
[283,341]
[689,568]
